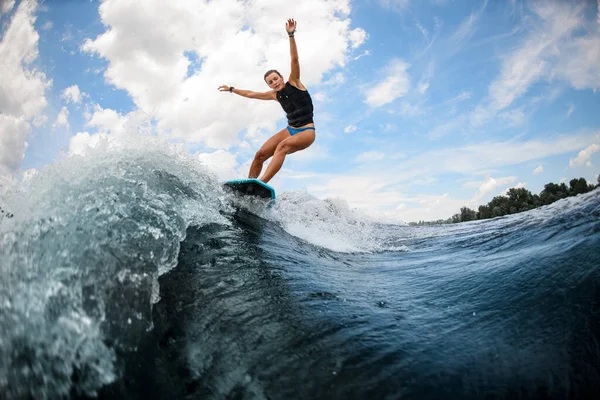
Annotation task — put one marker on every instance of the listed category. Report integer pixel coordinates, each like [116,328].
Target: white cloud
[550,50]
[336,79]
[570,111]
[12,143]
[222,163]
[584,156]
[466,29]
[366,182]
[108,121]
[462,96]
[422,87]
[47,26]
[145,54]
[364,53]
[491,185]
[314,152]
[320,97]
[422,208]
[369,156]
[62,118]
[40,120]
[357,37]
[520,185]
[359,190]
[72,94]
[514,116]
[6,6]
[395,84]
[22,87]
[422,29]
[83,141]
[538,170]
[350,128]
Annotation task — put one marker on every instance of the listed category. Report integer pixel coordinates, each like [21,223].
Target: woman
[296,102]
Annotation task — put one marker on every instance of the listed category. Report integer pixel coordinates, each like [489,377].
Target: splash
[81,256]
[326,223]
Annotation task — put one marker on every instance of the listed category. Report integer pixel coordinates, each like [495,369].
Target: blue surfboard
[251,187]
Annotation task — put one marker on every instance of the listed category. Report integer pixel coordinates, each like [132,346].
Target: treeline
[518,200]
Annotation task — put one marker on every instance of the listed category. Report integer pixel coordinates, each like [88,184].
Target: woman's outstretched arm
[290,27]
[270,95]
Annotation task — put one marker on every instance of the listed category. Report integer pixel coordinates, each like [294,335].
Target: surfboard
[251,187]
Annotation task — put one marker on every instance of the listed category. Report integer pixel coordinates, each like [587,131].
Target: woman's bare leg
[266,151]
[299,141]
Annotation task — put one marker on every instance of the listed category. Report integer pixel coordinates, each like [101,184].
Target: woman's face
[274,81]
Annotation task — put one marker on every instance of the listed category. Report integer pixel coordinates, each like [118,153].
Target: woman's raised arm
[290,27]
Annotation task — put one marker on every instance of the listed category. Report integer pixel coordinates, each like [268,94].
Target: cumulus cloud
[491,185]
[108,121]
[584,156]
[222,163]
[83,141]
[233,43]
[394,85]
[12,143]
[62,118]
[22,87]
[357,37]
[538,170]
[520,185]
[72,94]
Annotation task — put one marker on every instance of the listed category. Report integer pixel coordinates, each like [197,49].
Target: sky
[421,107]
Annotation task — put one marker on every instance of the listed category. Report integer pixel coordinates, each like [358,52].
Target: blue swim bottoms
[293,131]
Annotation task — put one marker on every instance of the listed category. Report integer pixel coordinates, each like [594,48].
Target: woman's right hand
[223,88]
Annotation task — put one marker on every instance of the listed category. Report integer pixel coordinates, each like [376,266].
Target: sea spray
[81,255]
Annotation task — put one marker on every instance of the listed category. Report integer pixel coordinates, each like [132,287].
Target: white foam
[326,223]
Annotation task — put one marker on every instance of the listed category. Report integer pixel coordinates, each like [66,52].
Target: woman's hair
[269,72]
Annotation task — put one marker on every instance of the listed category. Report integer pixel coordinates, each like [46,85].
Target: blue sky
[421,107]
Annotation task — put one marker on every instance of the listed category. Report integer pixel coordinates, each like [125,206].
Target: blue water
[129,273]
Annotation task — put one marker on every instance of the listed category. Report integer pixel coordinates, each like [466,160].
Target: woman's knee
[283,147]
[262,155]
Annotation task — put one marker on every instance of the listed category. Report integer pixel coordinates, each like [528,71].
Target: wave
[130,273]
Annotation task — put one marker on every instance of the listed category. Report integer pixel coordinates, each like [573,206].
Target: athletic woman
[296,102]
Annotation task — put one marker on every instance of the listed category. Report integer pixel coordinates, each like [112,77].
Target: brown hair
[269,72]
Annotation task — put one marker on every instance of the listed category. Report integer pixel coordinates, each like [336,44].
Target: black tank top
[297,104]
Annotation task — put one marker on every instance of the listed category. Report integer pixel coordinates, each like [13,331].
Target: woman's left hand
[290,26]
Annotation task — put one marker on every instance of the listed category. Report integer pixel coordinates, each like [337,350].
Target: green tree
[484,212]
[466,214]
[578,186]
[553,192]
[521,199]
